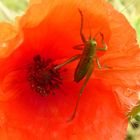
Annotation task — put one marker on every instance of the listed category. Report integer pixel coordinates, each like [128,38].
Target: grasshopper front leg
[103,43]
[90,70]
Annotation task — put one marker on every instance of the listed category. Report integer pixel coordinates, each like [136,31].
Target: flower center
[43,78]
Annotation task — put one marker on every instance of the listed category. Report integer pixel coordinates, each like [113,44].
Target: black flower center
[43,76]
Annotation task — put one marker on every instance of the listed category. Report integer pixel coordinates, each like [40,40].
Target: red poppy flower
[44,38]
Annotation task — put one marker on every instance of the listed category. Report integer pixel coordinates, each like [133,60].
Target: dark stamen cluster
[43,77]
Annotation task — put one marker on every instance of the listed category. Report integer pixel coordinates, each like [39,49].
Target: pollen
[42,76]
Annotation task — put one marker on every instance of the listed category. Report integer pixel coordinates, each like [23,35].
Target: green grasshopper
[85,66]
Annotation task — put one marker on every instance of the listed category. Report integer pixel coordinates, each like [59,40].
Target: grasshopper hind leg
[81,91]
[68,61]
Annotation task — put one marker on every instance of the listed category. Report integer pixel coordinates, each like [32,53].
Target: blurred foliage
[15,5]
[9,9]
[131,9]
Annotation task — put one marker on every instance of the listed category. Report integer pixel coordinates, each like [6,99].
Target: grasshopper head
[92,42]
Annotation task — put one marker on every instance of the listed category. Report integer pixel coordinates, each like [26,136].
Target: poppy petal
[9,39]
[38,115]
